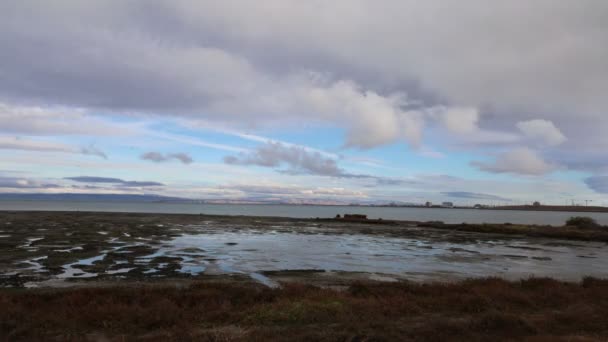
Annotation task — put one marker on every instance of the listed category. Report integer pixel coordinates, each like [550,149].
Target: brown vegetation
[587,233]
[490,309]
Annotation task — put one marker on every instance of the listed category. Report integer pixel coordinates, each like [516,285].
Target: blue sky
[409,102]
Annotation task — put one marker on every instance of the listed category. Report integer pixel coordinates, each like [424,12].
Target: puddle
[35,266]
[393,258]
[68,250]
[30,241]
[192,269]
[72,271]
[121,270]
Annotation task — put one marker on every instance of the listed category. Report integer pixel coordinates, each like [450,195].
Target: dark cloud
[473,195]
[94,151]
[117,181]
[598,184]
[159,157]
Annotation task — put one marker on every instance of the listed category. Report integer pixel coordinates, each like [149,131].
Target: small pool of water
[250,252]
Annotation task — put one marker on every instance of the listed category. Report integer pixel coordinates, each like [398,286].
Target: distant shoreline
[563,208]
[545,208]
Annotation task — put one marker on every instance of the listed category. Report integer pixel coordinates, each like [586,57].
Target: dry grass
[598,233]
[476,310]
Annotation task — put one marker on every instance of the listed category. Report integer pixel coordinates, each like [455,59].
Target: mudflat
[41,249]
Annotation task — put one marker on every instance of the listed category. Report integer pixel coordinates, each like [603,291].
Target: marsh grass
[488,309]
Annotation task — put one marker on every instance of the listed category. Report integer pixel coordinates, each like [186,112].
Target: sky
[343,101]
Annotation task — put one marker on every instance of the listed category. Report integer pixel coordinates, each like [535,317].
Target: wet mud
[65,249]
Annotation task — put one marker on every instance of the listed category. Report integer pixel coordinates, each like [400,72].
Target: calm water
[413,214]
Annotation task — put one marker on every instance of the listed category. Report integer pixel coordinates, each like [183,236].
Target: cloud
[23,183]
[18,143]
[474,195]
[598,184]
[462,127]
[522,161]
[297,159]
[293,191]
[543,131]
[117,181]
[159,157]
[465,63]
[35,120]
[460,120]
[94,151]
[300,160]
[374,77]
[370,118]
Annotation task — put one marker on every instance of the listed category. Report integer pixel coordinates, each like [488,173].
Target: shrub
[582,222]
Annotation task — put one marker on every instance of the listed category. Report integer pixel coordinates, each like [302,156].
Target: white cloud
[16,143]
[24,183]
[522,161]
[297,159]
[23,144]
[543,131]
[370,119]
[293,191]
[33,120]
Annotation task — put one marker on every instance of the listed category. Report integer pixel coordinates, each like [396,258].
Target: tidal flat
[50,249]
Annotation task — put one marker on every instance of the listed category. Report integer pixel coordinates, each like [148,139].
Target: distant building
[536,204]
[447,205]
[428,204]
